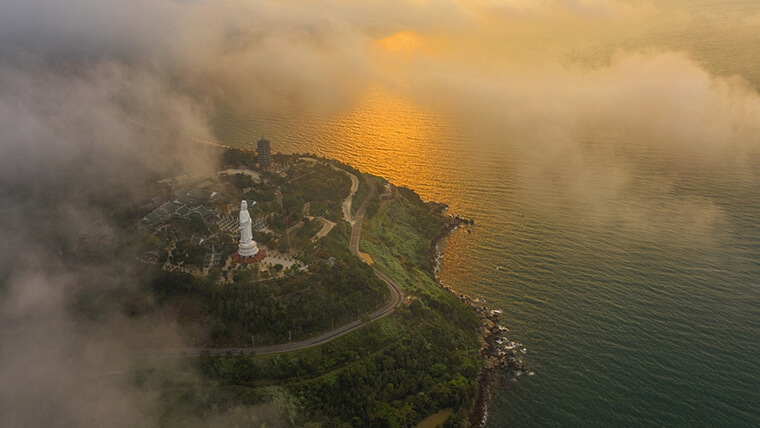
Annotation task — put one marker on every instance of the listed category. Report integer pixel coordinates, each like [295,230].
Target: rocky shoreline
[497,352]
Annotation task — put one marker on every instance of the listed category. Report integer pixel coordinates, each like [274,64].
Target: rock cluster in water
[497,350]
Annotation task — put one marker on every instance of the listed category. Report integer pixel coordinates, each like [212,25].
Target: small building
[200,195]
[151,220]
[259,223]
[182,213]
[152,204]
[166,209]
[184,199]
[213,257]
[204,212]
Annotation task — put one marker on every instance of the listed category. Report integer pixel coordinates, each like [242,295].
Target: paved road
[346,205]
[356,230]
[397,297]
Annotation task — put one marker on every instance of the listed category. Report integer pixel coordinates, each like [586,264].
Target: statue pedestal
[248,249]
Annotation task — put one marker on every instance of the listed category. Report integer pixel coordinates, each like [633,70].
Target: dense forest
[302,305]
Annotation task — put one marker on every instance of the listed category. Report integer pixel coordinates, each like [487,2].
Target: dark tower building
[265,152]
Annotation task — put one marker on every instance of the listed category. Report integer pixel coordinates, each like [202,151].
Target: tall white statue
[247,247]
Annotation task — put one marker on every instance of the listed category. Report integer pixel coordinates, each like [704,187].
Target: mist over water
[607,149]
[625,254]
[651,322]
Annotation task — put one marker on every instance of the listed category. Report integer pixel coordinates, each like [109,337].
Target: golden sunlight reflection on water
[382,132]
[387,133]
[389,136]
[614,238]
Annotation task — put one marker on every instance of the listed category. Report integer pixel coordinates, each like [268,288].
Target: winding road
[397,297]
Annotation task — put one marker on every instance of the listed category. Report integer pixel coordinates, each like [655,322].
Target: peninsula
[307,287]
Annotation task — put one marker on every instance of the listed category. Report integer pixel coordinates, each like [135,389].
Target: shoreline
[496,352]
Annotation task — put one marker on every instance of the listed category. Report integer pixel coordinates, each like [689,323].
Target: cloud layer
[96,97]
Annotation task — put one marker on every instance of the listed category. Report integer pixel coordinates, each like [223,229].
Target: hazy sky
[73,72]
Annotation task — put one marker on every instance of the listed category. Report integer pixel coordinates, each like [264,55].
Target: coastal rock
[491,333]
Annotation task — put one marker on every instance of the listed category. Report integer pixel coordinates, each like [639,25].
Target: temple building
[264,149]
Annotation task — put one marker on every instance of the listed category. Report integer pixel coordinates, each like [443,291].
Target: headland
[341,320]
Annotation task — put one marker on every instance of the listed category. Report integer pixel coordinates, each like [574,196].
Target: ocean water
[631,274]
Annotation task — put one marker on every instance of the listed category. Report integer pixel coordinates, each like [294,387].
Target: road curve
[397,297]
[356,230]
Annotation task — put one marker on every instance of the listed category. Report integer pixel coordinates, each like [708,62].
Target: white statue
[247,247]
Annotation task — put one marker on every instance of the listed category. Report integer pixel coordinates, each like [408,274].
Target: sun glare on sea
[403,41]
[388,135]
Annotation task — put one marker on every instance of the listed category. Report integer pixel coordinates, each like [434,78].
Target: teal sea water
[638,301]
[623,328]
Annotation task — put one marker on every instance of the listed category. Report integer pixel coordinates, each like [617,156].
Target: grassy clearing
[436,419]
